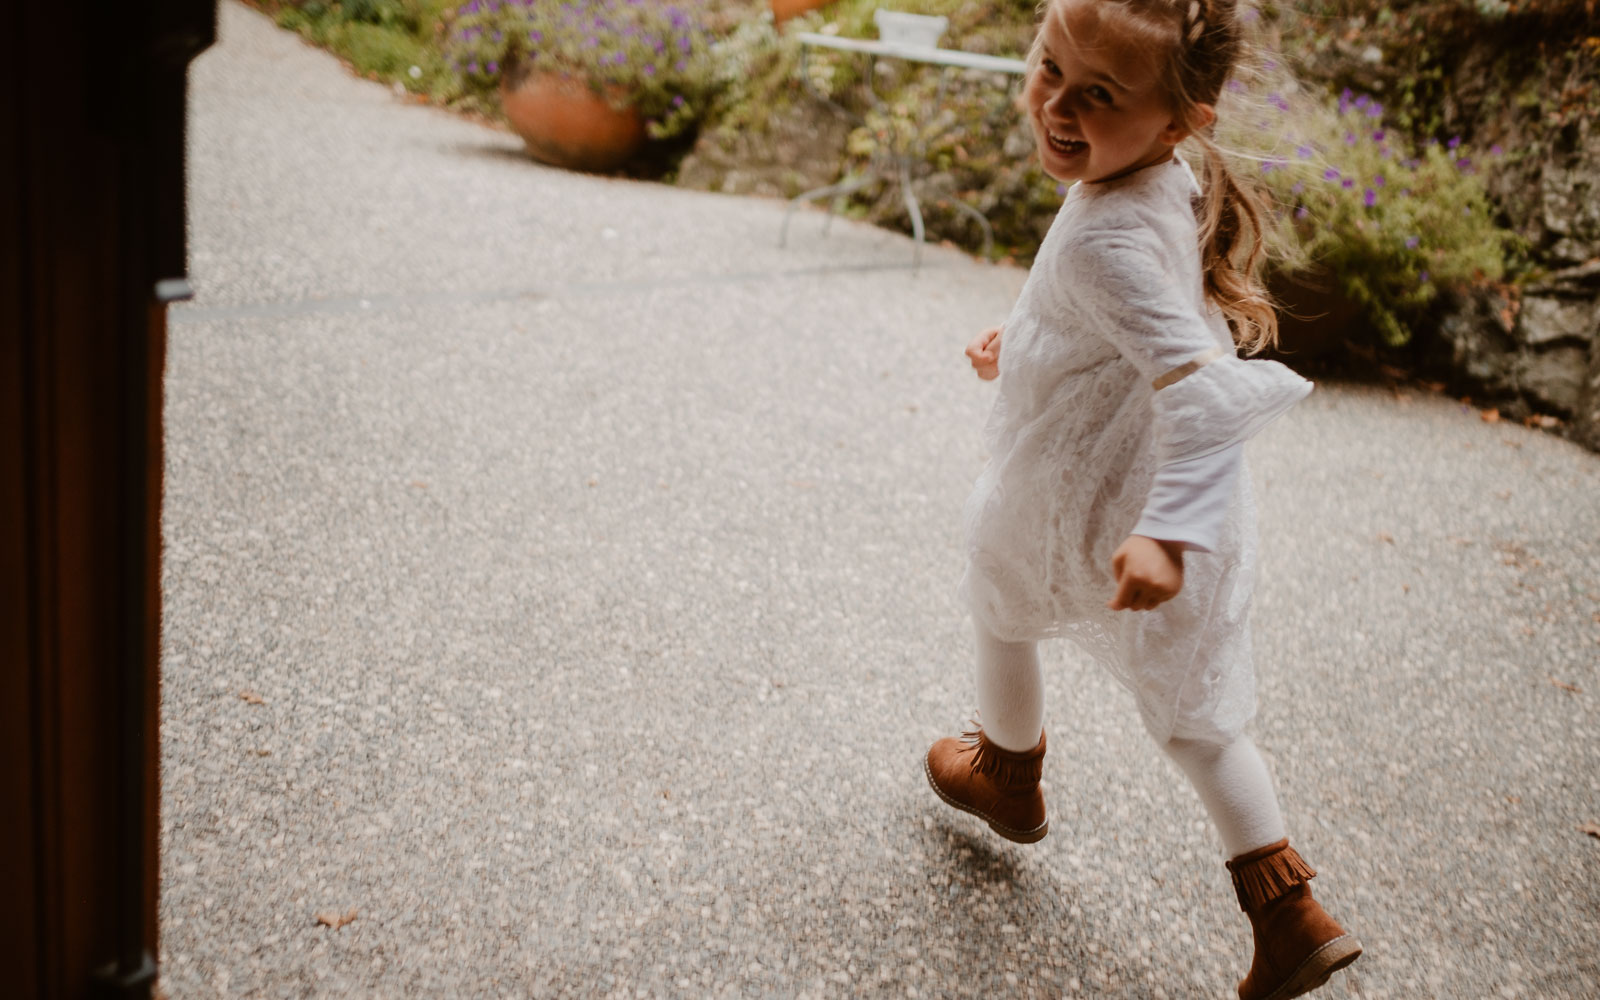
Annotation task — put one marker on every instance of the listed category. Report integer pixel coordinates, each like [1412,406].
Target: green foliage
[960,134]
[652,56]
[1391,225]
[393,40]
[754,67]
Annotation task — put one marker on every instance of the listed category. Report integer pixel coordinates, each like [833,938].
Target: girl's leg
[994,773]
[1297,945]
[1233,783]
[1010,691]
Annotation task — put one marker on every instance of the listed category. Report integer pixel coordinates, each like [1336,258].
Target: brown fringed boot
[1298,946]
[996,785]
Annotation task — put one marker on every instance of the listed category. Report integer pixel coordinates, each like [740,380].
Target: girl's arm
[1187,505]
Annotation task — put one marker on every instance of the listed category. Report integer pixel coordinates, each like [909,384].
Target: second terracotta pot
[782,10]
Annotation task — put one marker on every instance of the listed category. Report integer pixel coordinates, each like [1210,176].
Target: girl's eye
[1100,94]
[1051,68]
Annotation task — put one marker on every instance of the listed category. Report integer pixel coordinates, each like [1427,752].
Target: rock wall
[1536,346]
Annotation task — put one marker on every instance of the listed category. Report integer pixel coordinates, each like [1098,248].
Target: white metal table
[896,165]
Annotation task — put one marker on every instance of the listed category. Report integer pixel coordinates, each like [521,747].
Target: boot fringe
[1008,768]
[1262,876]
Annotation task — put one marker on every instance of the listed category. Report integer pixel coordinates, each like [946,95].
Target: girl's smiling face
[1095,97]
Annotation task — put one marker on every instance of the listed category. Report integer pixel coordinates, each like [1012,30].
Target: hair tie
[1196,22]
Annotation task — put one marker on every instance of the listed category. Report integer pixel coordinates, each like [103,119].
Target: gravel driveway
[559,581]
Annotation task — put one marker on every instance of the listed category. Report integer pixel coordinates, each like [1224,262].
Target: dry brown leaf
[1592,829]
[1563,685]
[1384,536]
[252,698]
[329,918]
[1490,416]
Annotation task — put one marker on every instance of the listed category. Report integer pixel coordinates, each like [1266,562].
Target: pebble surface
[560,576]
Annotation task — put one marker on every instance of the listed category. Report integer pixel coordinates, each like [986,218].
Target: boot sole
[1317,969]
[1016,836]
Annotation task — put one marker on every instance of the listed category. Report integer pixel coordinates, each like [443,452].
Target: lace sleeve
[1205,398]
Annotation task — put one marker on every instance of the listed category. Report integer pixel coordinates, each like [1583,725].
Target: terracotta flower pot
[566,124]
[782,10]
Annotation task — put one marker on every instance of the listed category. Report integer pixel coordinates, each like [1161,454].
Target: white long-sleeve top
[1086,450]
[1189,497]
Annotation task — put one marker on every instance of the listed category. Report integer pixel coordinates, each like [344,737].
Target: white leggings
[1231,778]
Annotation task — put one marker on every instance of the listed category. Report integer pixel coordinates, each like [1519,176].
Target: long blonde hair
[1206,43]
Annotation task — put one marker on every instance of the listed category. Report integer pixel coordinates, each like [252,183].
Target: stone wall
[1536,347]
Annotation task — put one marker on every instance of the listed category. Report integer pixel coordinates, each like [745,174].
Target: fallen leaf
[1384,536]
[1592,829]
[328,918]
[252,698]
[263,753]
[1406,587]
[1563,685]
[419,484]
[1514,799]
[1490,416]
[1504,494]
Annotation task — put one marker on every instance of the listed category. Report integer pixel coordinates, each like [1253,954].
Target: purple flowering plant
[1390,224]
[651,55]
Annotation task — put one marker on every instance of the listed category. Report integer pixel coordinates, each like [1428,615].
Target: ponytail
[1230,212]
[1231,251]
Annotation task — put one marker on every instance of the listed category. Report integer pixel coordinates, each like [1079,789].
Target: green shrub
[1390,224]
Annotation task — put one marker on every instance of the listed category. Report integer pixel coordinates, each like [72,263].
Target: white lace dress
[1115,302]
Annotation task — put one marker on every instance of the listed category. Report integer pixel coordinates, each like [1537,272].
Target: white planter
[913,30]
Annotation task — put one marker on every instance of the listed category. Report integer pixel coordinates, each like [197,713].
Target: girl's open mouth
[1066,147]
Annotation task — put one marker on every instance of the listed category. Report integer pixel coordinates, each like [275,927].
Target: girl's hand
[1147,571]
[985,353]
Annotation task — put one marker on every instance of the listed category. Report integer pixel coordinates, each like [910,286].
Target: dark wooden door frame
[92,227]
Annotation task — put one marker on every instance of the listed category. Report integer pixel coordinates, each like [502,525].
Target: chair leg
[846,186]
[914,210]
